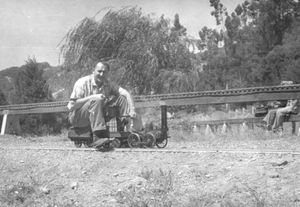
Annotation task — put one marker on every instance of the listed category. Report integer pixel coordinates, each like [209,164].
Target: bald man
[91,97]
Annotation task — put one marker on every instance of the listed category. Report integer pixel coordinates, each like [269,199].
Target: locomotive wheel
[134,140]
[116,143]
[160,142]
[78,144]
[149,139]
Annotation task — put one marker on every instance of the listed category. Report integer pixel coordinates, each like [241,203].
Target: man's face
[100,74]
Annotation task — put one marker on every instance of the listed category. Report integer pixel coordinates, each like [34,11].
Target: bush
[2,99]
[43,124]
[32,87]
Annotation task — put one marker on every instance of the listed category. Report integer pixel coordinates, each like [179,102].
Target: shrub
[32,87]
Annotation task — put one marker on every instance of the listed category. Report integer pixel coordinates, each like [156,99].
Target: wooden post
[293,127]
[4,120]
[244,128]
[224,129]
[164,122]
[208,130]
[227,105]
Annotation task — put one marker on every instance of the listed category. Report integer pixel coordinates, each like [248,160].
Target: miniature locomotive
[137,137]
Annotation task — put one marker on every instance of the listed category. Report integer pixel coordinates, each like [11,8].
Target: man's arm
[77,103]
[129,99]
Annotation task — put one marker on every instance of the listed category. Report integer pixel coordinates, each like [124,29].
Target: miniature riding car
[128,138]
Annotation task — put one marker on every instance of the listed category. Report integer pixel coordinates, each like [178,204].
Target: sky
[34,28]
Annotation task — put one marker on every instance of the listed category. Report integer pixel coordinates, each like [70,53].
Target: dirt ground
[84,178]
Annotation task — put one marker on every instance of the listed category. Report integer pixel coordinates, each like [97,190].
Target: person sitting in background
[275,117]
[95,100]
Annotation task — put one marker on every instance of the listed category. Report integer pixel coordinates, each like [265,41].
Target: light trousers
[96,112]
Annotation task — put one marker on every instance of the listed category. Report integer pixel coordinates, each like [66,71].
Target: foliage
[255,45]
[2,98]
[177,30]
[283,61]
[157,190]
[260,44]
[2,102]
[31,85]
[219,10]
[19,194]
[209,39]
[140,49]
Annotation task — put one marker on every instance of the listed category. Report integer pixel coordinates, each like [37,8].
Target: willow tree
[138,47]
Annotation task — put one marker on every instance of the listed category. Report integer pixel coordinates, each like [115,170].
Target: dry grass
[156,190]
[41,178]
[63,179]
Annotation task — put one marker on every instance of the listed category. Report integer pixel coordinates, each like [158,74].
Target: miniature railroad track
[228,92]
[201,97]
[155,150]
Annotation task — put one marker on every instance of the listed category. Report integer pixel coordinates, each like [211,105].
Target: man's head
[101,72]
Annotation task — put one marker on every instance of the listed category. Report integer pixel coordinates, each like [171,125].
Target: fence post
[293,127]
[224,128]
[164,121]
[4,120]
[208,130]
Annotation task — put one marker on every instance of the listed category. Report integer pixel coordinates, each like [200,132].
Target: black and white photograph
[150,103]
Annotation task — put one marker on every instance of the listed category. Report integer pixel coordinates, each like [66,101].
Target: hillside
[8,77]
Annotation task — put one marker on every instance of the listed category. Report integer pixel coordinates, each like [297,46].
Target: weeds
[146,173]
[18,193]
[204,200]
[259,200]
[157,190]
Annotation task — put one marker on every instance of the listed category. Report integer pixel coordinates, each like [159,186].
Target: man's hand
[132,113]
[71,105]
[100,95]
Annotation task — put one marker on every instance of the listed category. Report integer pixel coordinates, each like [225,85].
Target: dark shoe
[107,147]
[104,144]
[100,134]
[100,142]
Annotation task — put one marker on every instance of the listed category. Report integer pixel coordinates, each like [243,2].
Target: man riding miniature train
[95,100]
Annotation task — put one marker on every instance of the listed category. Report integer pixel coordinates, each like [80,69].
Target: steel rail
[228,92]
[155,150]
[165,97]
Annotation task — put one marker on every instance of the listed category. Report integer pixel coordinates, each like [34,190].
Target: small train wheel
[116,143]
[133,140]
[78,144]
[160,142]
[149,139]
